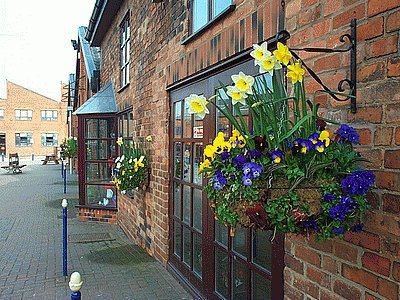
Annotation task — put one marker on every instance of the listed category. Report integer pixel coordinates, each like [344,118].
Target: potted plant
[288,171]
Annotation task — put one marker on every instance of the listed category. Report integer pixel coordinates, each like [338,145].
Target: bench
[13,164]
[52,158]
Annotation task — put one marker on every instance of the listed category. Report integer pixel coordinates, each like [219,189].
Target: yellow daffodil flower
[120,141]
[269,64]
[243,82]
[236,95]
[260,51]
[205,164]
[282,54]
[324,137]
[295,73]
[198,105]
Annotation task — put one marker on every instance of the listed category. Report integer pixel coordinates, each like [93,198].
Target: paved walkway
[31,246]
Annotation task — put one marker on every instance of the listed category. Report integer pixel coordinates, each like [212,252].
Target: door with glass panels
[248,265]
[96,154]
[188,206]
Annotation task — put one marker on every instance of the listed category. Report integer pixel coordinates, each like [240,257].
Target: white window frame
[125,42]
[49,115]
[23,114]
[46,135]
[24,135]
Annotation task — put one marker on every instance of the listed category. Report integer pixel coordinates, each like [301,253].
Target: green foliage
[69,147]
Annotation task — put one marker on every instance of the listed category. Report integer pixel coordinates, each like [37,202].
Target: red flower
[257,215]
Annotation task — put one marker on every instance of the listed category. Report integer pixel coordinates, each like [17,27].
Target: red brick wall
[365,265]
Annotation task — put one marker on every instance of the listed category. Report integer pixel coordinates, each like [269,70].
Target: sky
[35,43]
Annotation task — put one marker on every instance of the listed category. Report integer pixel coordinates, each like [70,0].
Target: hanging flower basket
[131,169]
[289,172]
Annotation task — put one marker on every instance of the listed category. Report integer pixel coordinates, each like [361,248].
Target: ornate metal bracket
[349,40]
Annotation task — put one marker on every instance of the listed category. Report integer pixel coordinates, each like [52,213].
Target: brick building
[31,123]
[155,54]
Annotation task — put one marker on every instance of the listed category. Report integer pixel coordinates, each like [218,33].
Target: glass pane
[187,247]
[197,255]
[187,164]
[91,128]
[240,241]
[125,123]
[198,127]
[222,123]
[261,287]
[187,121]
[200,14]
[177,239]
[221,273]
[221,233]
[198,158]
[177,200]
[219,6]
[130,131]
[98,172]
[177,162]
[103,195]
[97,149]
[239,281]
[104,127]
[178,119]
[186,204]
[262,248]
[197,209]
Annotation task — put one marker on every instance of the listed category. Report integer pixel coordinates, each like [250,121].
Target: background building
[31,124]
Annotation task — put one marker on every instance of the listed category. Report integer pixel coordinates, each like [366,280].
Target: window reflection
[177,160]
[198,158]
[187,121]
[178,119]
[102,195]
[199,14]
[187,165]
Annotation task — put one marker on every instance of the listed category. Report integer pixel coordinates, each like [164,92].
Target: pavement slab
[111,266]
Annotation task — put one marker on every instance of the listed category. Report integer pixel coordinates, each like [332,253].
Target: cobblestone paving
[31,247]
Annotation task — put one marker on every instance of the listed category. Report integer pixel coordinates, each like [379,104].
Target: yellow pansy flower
[205,164]
[198,105]
[243,82]
[220,144]
[295,73]
[236,95]
[324,137]
[282,54]
[209,151]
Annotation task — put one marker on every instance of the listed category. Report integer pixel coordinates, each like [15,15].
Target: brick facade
[19,97]
[365,265]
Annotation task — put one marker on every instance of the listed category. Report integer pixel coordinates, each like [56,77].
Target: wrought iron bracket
[349,41]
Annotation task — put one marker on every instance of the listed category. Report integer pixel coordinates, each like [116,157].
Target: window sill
[93,206]
[123,88]
[201,30]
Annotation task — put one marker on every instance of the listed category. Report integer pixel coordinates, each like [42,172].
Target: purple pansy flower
[329,197]
[349,133]
[338,230]
[239,160]
[247,180]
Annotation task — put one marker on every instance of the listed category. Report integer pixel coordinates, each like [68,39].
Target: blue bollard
[65,180]
[62,169]
[64,206]
[2,157]
[76,295]
[33,157]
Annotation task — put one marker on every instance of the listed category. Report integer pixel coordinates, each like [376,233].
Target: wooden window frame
[125,35]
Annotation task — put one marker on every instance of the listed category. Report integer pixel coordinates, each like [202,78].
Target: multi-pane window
[1,114]
[49,139]
[23,114]
[125,50]
[125,127]
[203,11]
[23,139]
[49,115]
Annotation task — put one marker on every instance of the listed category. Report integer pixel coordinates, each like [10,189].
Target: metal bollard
[75,284]
[65,180]
[2,157]
[33,157]
[62,169]
[64,205]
